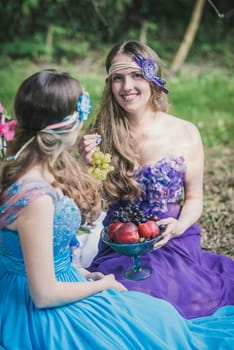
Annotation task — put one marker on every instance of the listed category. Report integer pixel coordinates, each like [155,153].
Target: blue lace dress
[107,320]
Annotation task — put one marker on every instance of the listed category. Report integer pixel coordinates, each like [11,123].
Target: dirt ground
[217,220]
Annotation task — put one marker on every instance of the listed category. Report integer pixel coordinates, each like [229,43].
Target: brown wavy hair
[43,99]
[113,125]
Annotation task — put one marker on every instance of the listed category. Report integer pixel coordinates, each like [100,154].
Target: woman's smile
[130,97]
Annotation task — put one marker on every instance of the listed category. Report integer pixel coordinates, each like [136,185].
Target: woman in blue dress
[45,301]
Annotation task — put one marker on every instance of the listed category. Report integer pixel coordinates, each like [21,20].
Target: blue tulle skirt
[107,320]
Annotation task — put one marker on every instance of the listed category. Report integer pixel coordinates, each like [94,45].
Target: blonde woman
[158,160]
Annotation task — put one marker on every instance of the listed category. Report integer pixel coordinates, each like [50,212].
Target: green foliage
[71,49]
[37,48]
[31,48]
[26,24]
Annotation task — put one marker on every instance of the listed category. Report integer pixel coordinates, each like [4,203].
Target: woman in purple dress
[158,160]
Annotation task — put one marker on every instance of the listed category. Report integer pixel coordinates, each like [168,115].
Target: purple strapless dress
[195,281]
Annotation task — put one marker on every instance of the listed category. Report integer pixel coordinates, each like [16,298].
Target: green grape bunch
[100,165]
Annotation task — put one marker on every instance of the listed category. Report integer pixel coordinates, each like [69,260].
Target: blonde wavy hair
[31,109]
[113,125]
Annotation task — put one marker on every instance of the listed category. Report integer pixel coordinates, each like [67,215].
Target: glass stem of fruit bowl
[136,263]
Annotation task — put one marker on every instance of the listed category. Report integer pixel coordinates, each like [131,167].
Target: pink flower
[1,108]
[7,129]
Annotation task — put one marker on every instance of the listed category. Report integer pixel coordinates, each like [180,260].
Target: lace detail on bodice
[67,221]
[19,195]
[67,216]
[161,184]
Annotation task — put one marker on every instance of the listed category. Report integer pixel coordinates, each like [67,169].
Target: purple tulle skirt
[195,281]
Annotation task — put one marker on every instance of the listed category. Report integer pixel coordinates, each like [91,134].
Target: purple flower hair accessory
[150,69]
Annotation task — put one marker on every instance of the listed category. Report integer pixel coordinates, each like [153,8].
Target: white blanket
[84,254]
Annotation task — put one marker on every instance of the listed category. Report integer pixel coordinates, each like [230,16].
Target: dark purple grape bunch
[130,213]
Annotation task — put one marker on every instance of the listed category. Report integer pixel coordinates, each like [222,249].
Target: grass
[205,98]
[203,95]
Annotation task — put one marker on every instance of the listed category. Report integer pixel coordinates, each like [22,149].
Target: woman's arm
[35,227]
[193,204]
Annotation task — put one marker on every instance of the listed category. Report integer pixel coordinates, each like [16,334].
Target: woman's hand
[87,145]
[108,280]
[171,231]
[111,282]
[95,276]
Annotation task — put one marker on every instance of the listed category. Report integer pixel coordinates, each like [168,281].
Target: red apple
[112,228]
[148,229]
[127,233]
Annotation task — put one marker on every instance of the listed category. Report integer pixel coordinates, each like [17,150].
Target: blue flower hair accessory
[149,69]
[84,106]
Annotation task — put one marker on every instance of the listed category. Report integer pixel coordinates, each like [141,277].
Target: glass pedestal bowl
[134,250]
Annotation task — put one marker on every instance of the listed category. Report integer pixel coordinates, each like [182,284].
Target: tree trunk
[143,32]
[189,36]
[49,42]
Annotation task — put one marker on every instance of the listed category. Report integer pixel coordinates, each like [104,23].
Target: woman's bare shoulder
[180,125]
[183,135]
